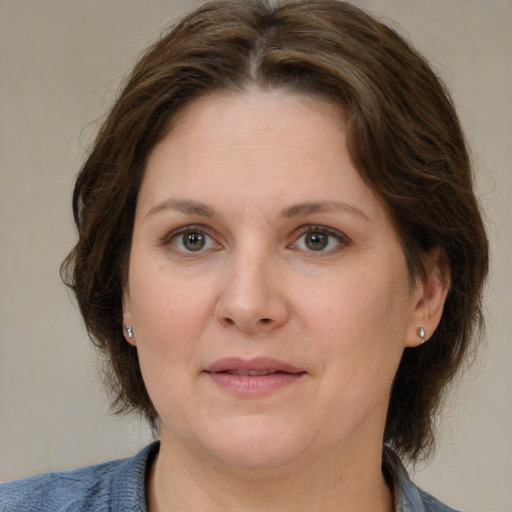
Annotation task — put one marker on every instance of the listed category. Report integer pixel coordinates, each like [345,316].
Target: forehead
[258,145]
[256,117]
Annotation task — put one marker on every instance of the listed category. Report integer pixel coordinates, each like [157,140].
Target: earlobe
[129,331]
[127,319]
[429,298]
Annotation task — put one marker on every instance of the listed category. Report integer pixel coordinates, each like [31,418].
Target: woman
[281,255]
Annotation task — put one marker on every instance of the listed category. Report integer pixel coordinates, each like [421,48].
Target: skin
[253,174]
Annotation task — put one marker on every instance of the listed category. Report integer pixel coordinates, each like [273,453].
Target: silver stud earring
[421,333]
[129,331]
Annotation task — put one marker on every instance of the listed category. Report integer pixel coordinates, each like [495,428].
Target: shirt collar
[406,496]
[129,493]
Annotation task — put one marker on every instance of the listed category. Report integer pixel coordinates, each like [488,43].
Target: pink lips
[253,377]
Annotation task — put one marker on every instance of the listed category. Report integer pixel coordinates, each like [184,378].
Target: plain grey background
[60,64]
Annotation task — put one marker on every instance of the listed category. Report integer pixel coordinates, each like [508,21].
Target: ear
[127,315]
[429,297]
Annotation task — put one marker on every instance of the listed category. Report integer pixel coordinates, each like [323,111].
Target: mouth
[256,367]
[253,377]
[251,373]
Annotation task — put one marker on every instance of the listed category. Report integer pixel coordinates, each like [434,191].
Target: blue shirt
[119,486]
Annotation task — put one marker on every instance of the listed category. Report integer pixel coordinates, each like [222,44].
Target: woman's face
[268,291]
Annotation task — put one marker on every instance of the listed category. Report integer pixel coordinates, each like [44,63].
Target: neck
[337,482]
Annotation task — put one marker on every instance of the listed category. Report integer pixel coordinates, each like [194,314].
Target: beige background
[60,63]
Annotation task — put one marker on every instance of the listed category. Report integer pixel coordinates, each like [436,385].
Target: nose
[252,298]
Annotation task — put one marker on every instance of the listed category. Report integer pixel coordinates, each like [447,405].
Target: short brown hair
[403,136]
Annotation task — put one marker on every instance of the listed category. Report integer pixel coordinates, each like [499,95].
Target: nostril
[265,321]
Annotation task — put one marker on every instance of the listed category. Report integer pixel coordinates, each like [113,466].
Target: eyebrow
[191,207]
[303,209]
[183,205]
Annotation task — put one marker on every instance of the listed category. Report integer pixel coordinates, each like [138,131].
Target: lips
[252,367]
[251,373]
[253,377]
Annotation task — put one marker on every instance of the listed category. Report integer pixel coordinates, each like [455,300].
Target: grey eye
[316,241]
[194,241]
[321,240]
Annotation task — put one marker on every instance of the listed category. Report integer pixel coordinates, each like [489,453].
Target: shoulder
[107,487]
[408,496]
[61,491]
[431,504]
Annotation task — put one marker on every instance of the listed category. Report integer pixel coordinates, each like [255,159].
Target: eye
[193,240]
[316,241]
[320,239]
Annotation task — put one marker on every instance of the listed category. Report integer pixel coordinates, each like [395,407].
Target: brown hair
[403,135]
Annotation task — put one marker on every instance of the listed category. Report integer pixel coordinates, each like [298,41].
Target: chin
[255,445]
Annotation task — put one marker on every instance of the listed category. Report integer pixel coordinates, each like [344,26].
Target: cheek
[170,321]
[168,313]
[360,323]
[359,335]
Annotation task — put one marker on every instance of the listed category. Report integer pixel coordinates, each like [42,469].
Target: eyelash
[191,229]
[341,239]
